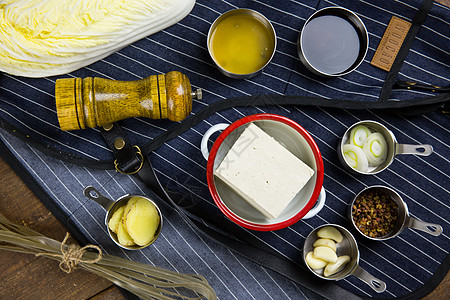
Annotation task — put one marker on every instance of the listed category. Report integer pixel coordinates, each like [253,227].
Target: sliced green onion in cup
[358,135]
[375,149]
[355,157]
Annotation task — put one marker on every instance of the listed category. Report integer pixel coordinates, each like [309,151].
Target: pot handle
[376,284]
[430,228]
[423,150]
[95,195]
[320,203]
[207,135]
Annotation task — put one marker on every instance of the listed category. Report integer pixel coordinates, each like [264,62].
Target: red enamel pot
[308,201]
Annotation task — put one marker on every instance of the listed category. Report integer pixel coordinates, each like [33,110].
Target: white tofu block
[263,172]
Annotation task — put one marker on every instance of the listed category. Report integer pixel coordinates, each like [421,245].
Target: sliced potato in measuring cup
[123,236]
[116,218]
[127,209]
[142,222]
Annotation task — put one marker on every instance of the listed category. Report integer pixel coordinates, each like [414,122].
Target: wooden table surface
[26,276]
[29,277]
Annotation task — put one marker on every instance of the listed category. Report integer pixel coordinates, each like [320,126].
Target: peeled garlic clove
[330,232]
[325,242]
[325,254]
[313,262]
[333,268]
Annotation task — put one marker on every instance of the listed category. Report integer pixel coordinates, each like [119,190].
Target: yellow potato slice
[127,209]
[116,218]
[142,221]
[325,242]
[123,236]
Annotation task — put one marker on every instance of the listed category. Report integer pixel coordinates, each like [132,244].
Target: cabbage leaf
[40,38]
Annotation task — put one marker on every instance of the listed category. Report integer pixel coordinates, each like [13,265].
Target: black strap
[127,159]
[410,107]
[417,22]
[271,100]
[410,85]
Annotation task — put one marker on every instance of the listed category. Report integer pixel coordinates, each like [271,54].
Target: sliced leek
[355,157]
[375,149]
[52,37]
[358,135]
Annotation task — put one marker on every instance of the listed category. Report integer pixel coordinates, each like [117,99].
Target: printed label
[390,43]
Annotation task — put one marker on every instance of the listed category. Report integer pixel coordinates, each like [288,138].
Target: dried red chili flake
[375,213]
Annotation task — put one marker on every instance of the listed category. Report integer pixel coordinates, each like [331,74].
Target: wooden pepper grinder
[92,102]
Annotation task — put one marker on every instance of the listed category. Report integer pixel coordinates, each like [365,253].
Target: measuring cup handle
[433,229]
[376,284]
[207,135]
[423,150]
[95,195]
[318,207]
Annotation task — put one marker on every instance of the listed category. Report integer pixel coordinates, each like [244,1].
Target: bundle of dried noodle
[145,281]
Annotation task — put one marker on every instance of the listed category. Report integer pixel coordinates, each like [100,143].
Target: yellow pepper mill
[91,102]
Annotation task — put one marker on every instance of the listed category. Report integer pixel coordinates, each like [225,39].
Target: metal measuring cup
[245,13]
[354,21]
[404,220]
[394,148]
[111,207]
[349,247]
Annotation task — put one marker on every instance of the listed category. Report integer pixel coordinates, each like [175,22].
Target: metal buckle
[138,152]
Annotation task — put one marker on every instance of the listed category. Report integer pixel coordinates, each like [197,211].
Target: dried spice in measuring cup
[394,216]
[374,213]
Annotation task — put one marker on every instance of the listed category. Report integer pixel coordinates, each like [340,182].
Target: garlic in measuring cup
[324,256]
[333,268]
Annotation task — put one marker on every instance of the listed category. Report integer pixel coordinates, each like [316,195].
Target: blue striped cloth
[406,263]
